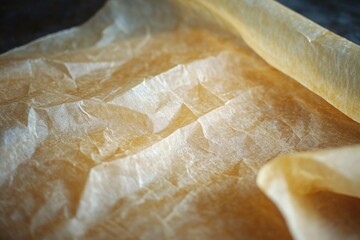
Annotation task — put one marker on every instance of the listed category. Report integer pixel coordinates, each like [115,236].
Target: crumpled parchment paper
[152,120]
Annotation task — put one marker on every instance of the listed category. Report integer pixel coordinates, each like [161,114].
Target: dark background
[22,21]
[339,16]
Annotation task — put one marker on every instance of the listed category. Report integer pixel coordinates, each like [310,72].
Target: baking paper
[153,119]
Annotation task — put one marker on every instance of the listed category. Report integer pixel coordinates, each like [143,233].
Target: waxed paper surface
[153,119]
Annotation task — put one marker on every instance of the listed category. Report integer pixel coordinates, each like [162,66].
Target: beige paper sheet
[153,119]
[318,192]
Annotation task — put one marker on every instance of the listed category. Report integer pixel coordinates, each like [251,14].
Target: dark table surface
[339,16]
[22,21]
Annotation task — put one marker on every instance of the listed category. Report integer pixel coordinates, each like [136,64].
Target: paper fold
[306,188]
[153,119]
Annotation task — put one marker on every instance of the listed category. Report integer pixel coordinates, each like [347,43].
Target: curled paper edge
[320,60]
[288,179]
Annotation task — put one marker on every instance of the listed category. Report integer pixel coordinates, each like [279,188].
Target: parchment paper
[152,120]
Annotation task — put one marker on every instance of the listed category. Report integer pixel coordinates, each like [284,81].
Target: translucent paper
[318,193]
[152,120]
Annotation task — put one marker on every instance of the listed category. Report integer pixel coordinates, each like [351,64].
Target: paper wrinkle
[275,45]
[150,121]
[291,182]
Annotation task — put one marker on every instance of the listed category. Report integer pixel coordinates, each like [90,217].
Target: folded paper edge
[292,176]
[320,60]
